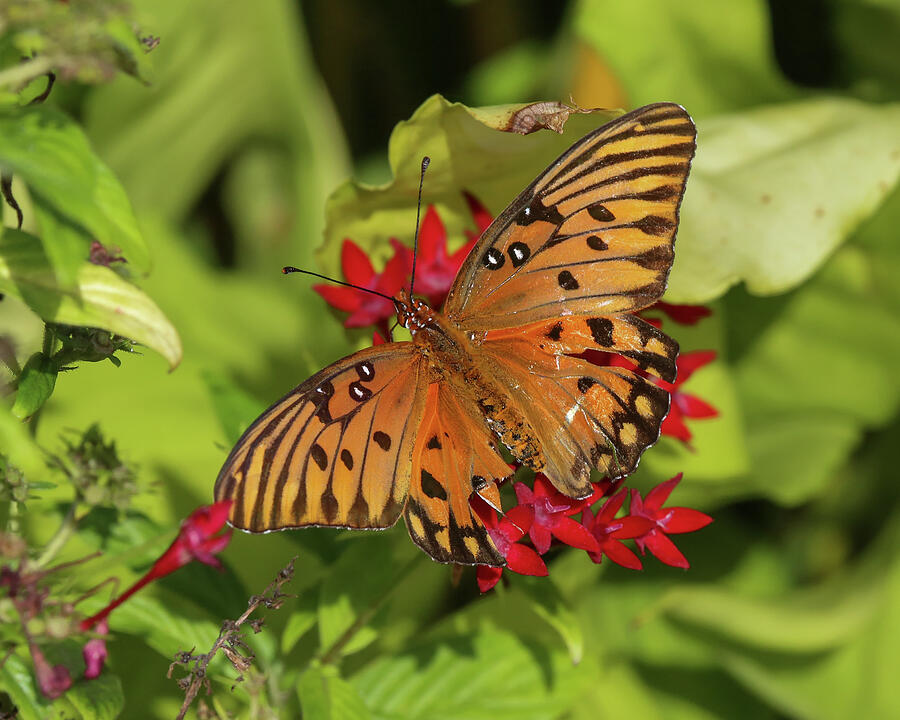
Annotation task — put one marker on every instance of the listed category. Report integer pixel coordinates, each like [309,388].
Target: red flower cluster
[546,513]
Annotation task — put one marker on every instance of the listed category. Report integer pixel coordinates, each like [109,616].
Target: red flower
[550,512]
[685,405]
[609,532]
[506,532]
[365,308]
[668,521]
[197,540]
[682,314]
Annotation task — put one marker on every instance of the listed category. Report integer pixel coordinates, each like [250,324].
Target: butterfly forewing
[593,234]
[335,451]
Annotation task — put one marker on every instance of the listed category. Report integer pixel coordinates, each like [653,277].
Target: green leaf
[17,681]
[840,332]
[35,385]
[100,298]
[468,151]
[303,618]
[553,608]
[352,594]
[324,695]
[486,673]
[98,699]
[704,55]
[79,197]
[773,191]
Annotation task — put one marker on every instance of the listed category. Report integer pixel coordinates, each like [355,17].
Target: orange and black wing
[335,451]
[593,235]
[455,456]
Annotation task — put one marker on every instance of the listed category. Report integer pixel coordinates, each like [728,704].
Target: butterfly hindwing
[585,416]
[335,451]
[454,457]
[593,234]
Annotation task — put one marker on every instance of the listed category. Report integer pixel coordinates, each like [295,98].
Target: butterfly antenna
[288,269]
[425,162]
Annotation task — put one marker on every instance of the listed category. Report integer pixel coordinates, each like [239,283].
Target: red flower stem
[90,622]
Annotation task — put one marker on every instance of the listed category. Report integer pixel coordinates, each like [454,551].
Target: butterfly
[413,428]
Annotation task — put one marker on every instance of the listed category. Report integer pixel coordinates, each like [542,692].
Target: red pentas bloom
[505,533]
[682,314]
[551,513]
[197,540]
[435,271]
[664,522]
[365,308]
[683,404]
[609,532]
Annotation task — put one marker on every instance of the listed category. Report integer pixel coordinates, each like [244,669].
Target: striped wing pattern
[594,234]
[335,451]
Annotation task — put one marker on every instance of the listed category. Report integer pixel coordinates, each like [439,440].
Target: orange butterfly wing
[555,274]
[455,455]
[592,235]
[335,451]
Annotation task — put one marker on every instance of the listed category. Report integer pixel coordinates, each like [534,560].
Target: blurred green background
[258,113]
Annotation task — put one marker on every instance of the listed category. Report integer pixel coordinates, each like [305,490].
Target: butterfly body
[412,428]
[453,357]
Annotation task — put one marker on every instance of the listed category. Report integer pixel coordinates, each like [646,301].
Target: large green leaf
[468,151]
[486,673]
[101,298]
[773,191]
[706,55]
[324,695]
[78,197]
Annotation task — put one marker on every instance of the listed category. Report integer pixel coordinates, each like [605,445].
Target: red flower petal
[658,495]
[682,520]
[673,426]
[355,264]
[689,362]
[341,298]
[541,537]
[432,238]
[632,527]
[620,555]
[521,517]
[693,407]
[665,550]
[573,534]
[487,576]
[525,561]
[683,314]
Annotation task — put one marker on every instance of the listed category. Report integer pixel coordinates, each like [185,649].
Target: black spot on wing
[317,453]
[555,333]
[518,252]
[567,281]
[382,439]
[601,330]
[359,392]
[434,443]
[600,212]
[347,458]
[431,487]
[493,259]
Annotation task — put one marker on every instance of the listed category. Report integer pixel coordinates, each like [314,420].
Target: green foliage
[233,163]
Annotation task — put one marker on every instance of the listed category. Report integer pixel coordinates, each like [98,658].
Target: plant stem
[333,652]
[62,534]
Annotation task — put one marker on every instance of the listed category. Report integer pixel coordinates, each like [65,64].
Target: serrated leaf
[35,385]
[100,298]
[483,674]
[774,190]
[324,695]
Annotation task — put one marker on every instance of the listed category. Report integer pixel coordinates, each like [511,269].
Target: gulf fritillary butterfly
[411,428]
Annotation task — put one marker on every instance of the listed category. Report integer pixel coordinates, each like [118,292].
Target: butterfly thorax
[453,357]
